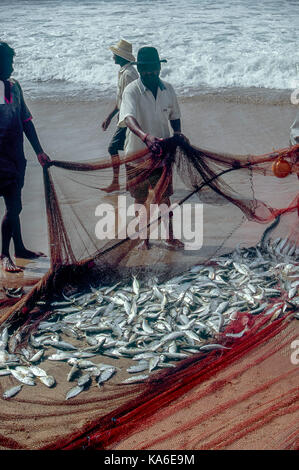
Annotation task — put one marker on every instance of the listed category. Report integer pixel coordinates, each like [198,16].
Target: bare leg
[20,250]
[114,186]
[172,243]
[7,264]
[144,245]
[11,229]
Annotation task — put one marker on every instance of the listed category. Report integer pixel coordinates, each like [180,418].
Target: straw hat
[123,49]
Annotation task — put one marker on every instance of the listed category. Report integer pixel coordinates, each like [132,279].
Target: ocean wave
[64,48]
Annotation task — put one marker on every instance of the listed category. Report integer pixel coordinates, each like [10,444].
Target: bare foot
[144,245]
[111,188]
[8,265]
[28,254]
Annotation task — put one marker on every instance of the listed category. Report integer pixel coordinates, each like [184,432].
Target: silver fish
[135,378]
[237,335]
[60,345]
[83,380]
[47,380]
[24,370]
[12,392]
[74,392]
[211,347]
[106,375]
[175,356]
[37,356]
[25,379]
[136,286]
[37,371]
[153,362]
[62,356]
[4,339]
[138,368]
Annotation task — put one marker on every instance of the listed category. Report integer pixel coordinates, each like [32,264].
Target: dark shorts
[140,192]
[118,141]
[12,194]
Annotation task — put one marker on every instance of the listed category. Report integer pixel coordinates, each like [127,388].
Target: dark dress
[13,113]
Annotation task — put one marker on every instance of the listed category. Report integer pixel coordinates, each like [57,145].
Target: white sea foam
[63,51]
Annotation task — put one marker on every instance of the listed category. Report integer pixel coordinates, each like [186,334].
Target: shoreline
[252,94]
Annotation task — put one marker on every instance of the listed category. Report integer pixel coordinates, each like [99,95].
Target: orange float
[281,168]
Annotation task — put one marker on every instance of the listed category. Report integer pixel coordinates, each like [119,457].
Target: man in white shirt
[294,131]
[148,106]
[122,55]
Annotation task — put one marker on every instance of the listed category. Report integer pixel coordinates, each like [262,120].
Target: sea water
[62,46]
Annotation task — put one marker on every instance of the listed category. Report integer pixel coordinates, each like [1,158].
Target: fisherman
[15,119]
[148,105]
[122,55]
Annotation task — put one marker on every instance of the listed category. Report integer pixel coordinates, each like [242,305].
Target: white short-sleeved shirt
[294,131]
[126,75]
[153,115]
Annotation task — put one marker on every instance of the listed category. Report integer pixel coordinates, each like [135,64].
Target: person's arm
[134,126]
[29,129]
[175,115]
[106,123]
[31,135]
[176,126]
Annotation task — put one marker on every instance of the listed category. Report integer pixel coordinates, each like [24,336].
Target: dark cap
[147,56]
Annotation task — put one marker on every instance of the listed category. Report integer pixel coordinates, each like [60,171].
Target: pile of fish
[153,325]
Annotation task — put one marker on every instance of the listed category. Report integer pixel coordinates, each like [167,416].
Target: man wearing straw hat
[148,106]
[122,55]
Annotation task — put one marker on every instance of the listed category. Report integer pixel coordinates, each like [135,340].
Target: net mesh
[234,190]
[240,198]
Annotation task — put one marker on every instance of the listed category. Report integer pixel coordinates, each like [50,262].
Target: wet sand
[71,131]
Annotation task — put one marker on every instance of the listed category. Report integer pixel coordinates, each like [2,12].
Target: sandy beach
[72,131]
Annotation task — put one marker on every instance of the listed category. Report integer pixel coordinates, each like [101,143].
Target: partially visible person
[122,55]
[294,131]
[148,106]
[15,119]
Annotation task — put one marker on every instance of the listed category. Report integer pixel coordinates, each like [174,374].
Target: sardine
[47,380]
[106,375]
[74,392]
[12,392]
[135,378]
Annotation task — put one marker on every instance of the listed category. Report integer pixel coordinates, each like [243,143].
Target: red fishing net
[220,202]
[232,190]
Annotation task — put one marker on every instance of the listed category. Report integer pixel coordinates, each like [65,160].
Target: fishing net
[155,412]
[233,191]
[220,203]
